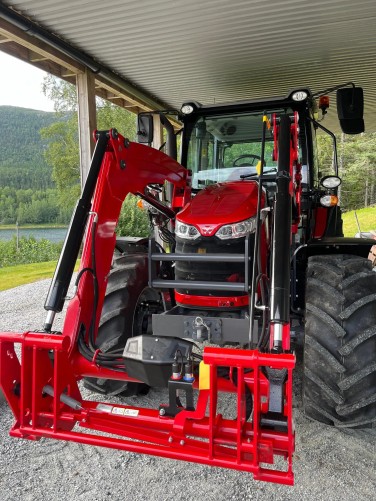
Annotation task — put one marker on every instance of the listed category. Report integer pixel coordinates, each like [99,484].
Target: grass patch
[366,217]
[13,276]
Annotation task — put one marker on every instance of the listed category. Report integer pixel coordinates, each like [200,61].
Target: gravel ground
[329,464]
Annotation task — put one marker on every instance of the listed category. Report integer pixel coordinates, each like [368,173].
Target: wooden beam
[35,57]
[115,90]
[10,31]
[87,120]
[22,53]
[129,103]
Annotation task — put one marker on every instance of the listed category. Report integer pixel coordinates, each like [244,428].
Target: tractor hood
[219,204]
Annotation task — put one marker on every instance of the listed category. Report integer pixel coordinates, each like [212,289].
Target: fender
[335,245]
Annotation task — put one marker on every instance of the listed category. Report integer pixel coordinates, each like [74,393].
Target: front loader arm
[42,388]
[118,167]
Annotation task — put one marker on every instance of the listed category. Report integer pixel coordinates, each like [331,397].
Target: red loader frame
[42,387]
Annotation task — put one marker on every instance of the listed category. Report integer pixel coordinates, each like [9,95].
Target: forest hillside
[22,163]
[27,191]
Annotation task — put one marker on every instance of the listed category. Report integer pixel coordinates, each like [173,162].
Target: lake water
[52,234]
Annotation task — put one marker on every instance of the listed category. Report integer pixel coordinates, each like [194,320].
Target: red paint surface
[220,204]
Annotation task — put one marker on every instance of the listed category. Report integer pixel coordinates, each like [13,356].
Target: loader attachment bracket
[175,388]
[45,399]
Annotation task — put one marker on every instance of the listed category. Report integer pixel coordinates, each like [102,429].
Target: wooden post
[158,132]
[17,236]
[157,143]
[87,120]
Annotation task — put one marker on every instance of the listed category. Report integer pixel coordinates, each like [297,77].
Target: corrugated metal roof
[216,50]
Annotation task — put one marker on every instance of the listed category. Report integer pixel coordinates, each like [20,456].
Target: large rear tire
[126,312]
[340,341]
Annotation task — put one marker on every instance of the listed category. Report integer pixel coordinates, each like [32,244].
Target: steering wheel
[251,163]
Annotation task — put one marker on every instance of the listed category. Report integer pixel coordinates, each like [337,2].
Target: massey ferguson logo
[207,230]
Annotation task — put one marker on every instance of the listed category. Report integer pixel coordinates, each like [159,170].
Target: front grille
[207,271]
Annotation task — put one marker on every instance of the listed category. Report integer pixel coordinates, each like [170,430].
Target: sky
[21,85]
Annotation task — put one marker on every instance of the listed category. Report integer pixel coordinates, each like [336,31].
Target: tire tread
[340,341]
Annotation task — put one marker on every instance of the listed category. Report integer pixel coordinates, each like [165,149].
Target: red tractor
[246,252]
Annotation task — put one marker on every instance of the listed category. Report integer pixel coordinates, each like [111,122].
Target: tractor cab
[227,148]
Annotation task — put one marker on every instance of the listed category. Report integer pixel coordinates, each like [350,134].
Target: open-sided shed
[155,54]
[164,52]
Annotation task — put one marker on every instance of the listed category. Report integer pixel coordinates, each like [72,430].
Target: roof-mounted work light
[189,107]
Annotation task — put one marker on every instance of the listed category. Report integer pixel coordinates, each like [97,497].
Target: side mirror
[145,129]
[350,105]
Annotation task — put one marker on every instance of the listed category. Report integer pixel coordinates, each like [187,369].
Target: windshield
[223,148]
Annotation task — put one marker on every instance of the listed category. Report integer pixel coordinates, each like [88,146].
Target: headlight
[330,182]
[187,109]
[237,230]
[299,95]
[329,200]
[190,107]
[187,231]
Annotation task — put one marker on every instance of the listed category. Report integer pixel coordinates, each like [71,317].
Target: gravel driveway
[329,464]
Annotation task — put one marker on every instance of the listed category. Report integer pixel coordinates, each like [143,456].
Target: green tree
[361,170]
[63,156]
[62,152]
[64,96]
[133,221]
[357,167]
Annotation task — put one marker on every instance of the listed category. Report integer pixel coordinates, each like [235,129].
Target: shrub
[29,250]
[133,221]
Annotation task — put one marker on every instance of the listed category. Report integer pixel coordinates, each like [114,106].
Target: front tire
[126,312]
[340,341]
